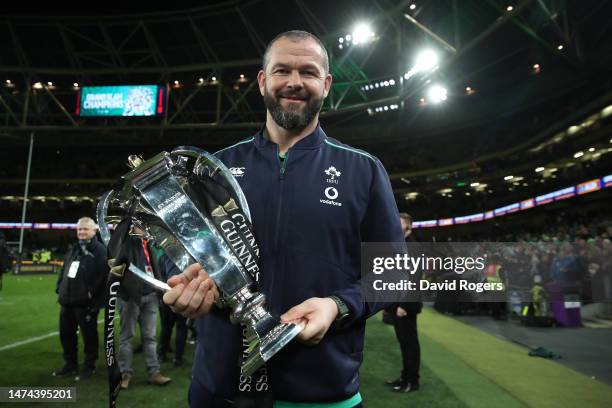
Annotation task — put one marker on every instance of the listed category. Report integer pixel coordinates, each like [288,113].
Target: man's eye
[281,71]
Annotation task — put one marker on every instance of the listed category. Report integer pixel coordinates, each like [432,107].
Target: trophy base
[269,345]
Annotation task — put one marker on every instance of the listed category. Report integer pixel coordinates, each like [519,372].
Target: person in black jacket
[80,289]
[405,324]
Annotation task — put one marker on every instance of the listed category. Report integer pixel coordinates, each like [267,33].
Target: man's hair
[87,220]
[297,35]
[406,216]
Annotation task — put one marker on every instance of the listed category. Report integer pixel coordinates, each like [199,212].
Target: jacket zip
[283,165]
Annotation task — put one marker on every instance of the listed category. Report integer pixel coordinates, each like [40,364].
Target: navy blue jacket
[310,215]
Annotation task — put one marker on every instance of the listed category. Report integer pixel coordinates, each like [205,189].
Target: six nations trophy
[189,204]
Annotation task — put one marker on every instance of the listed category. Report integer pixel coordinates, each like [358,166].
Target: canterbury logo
[237,171]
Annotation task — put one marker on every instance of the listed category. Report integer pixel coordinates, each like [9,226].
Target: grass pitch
[461,367]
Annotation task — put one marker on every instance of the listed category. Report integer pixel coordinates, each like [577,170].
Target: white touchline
[33,339]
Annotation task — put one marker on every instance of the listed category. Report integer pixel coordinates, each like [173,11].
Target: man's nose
[295,79]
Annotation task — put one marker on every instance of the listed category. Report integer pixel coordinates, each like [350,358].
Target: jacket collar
[312,141]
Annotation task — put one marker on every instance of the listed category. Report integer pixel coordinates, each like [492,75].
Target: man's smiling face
[295,82]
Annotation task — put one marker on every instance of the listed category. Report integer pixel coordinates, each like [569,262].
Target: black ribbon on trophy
[119,257]
[189,204]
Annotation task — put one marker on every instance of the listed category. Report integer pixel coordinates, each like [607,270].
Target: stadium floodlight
[426,60]
[508,178]
[214,79]
[362,33]
[8,81]
[578,154]
[411,195]
[412,6]
[37,85]
[560,47]
[383,108]
[76,85]
[381,84]
[509,8]
[539,169]
[591,149]
[474,184]
[436,93]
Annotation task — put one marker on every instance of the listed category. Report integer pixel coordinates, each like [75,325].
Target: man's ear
[261,81]
[328,83]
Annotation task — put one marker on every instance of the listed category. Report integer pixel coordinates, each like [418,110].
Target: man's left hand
[317,314]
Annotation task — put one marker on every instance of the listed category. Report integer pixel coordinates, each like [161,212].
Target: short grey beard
[292,120]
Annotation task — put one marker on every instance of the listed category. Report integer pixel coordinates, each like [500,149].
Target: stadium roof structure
[515,71]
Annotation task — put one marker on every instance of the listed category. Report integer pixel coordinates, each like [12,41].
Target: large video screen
[132,100]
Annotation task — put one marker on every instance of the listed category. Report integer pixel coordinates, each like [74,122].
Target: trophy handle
[101,214]
[216,164]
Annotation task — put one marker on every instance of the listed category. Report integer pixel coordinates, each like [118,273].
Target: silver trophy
[159,198]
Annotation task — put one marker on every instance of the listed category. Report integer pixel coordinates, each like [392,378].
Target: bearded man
[313,201]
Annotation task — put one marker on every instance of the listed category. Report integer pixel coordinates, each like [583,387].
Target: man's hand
[192,293]
[401,312]
[317,314]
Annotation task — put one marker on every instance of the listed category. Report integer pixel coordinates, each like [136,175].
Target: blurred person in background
[169,320]
[80,289]
[5,258]
[138,303]
[564,266]
[405,324]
